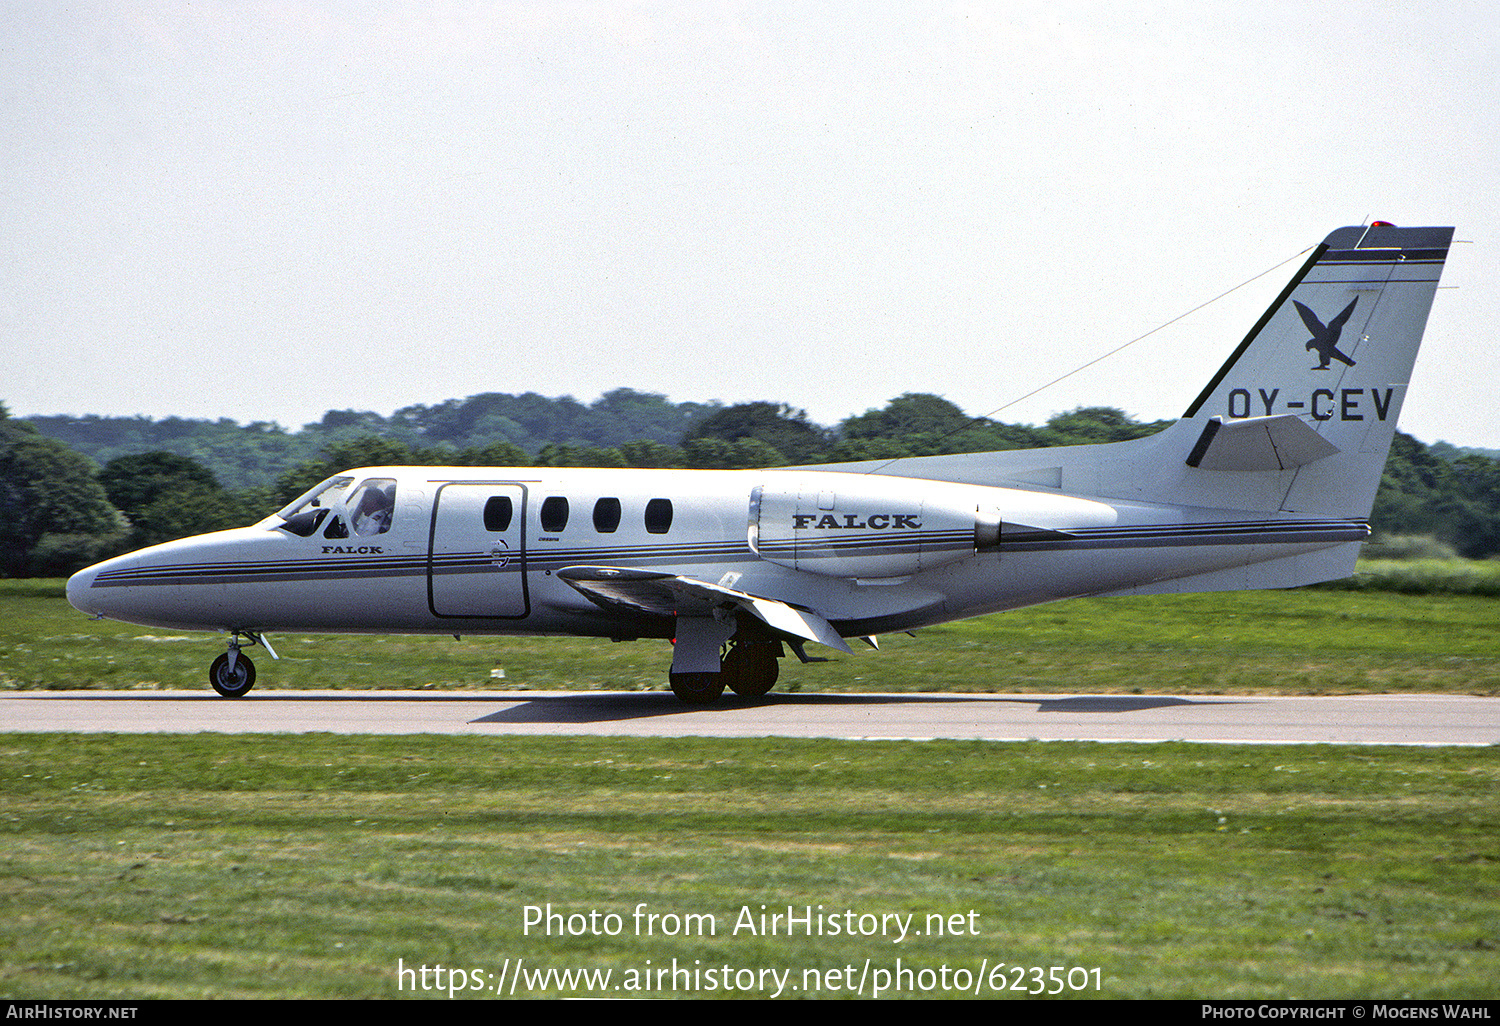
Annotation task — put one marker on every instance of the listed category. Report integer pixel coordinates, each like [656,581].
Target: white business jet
[1266,482]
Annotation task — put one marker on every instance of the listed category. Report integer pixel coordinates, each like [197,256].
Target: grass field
[1288,642]
[312,866]
[316,866]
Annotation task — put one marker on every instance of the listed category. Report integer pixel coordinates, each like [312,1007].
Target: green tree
[624,414]
[648,454]
[855,450]
[496,454]
[134,482]
[166,496]
[54,515]
[1088,425]
[912,414]
[366,420]
[193,509]
[563,454]
[708,454]
[364,451]
[784,429]
[752,453]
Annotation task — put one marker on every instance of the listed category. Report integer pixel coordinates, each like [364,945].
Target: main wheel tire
[232,683]
[697,688]
[751,670]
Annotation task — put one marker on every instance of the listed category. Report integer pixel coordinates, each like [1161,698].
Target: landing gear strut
[233,674]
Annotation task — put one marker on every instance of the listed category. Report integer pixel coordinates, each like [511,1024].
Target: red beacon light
[1381,224]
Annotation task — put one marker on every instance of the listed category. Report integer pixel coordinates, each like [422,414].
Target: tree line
[74,490]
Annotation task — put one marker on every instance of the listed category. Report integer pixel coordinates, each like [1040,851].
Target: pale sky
[264,209]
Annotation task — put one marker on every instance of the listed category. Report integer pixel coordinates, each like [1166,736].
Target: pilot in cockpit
[372,514]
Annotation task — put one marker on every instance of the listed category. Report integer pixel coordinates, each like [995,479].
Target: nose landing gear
[233,674]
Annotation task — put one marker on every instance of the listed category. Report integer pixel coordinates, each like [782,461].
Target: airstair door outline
[476,566]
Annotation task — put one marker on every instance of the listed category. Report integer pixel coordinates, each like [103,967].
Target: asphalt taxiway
[1345,719]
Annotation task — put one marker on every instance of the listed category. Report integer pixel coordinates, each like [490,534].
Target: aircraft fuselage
[1266,481]
[872,554]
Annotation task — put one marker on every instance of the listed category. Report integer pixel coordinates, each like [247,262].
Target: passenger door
[477,562]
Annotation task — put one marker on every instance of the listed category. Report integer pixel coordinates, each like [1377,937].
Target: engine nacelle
[869,526]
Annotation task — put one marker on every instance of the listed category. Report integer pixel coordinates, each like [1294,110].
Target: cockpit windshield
[336,510]
[303,515]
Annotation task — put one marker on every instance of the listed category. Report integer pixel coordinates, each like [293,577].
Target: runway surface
[1358,719]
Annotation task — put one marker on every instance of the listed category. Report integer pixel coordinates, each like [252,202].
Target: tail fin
[1300,418]
[1312,394]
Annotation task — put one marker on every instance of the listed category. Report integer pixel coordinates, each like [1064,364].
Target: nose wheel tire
[232,683]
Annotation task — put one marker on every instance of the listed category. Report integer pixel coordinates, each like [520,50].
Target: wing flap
[666,594]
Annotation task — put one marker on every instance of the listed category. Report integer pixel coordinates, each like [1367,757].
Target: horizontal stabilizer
[1258,443]
[665,594]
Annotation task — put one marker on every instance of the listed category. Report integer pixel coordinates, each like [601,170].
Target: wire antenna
[1099,359]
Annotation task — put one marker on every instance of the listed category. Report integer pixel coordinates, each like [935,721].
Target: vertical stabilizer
[1331,358]
[1298,420]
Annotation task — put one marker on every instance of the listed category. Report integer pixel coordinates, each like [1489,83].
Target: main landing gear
[697,688]
[747,667]
[750,668]
[233,674]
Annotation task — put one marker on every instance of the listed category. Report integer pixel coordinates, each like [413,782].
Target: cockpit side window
[372,506]
[304,515]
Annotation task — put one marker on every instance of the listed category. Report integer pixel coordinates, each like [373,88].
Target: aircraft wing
[666,594]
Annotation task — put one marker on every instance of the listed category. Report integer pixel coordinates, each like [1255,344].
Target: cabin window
[607,516]
[659,516]
[554,514]
[497,513]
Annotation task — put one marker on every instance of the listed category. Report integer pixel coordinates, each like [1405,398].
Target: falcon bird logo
[1325,339]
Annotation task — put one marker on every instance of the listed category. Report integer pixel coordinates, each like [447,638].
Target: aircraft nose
[81,593]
